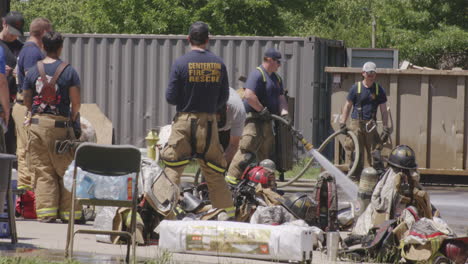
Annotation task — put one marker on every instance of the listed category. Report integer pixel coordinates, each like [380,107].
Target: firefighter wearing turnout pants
[365,98]
[50,119]
[264,94]
[198,86]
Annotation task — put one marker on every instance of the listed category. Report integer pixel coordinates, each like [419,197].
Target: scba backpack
[47,93]
[327,202]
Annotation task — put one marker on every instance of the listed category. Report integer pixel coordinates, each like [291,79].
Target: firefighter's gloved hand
[385,134]
[343,129]
[287,118]
[231,180]
[265,114]
[77,126]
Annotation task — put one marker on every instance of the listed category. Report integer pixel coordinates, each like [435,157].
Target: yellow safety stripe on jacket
[230,211]
[176,163]
[231,179]
[376,88]
[128,218]
[24,187]
[263,75]
[178,210]
[52,211]
[66,215]
[215,167]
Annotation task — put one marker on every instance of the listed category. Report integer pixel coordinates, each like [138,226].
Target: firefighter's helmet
[268,164]
[260,175]
[403,157]
[301,206]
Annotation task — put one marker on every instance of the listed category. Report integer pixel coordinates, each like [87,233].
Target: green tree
[66,15]
[430,33]
[427,32]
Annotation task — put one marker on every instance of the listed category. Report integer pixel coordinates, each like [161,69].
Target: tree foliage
[427,32]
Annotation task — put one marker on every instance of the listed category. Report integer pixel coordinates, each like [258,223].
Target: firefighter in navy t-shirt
[198,86]
[365,98]
[51,119]
[29,55]
[264,94]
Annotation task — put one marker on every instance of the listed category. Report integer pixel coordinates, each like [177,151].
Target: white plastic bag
[90,185]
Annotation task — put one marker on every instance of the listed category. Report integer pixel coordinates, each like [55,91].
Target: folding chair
[6,194]
[106,160]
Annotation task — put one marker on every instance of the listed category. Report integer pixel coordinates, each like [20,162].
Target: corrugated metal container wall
[429,110]
[383,58]
[127,75]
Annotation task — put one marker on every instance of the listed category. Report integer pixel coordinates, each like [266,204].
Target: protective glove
[76,125]
[265,114]
[343,129]
[385,134]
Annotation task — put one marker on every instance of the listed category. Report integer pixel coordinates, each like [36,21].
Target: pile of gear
[392,220]
[398,221]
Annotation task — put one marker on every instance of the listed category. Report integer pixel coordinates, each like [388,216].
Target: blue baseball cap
[274,54]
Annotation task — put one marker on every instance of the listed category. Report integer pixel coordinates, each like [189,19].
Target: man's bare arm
[75,98]
[4,98]
[384,112]
[252,100]
[345,112]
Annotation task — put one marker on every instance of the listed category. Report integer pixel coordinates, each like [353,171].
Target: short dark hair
[198,33]
[52,41]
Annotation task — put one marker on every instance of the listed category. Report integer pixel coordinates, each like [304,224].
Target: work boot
[47,219]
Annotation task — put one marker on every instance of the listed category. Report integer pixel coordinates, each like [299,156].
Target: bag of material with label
[233,239]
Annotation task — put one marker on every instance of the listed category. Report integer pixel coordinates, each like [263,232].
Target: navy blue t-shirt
[198,83]
[369,100]
[68,78]
[29,55]
[268,91]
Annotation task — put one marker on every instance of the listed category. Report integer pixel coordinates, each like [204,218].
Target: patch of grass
[310,174]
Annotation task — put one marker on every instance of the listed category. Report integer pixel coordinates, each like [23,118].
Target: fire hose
[308,146]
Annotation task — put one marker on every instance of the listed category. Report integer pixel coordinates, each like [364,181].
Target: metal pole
[374,25]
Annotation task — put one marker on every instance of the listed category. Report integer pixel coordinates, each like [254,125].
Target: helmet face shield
[268,164]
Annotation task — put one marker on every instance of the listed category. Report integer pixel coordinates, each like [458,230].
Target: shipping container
[428,110]
[127,75]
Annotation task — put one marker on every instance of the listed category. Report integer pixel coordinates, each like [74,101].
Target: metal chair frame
[106,160]
[10,202]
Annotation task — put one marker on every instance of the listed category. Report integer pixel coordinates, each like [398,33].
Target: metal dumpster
[428,110]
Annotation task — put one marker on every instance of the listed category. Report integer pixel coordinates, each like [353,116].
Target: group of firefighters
[214,125]
[44,94]
[46,100]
